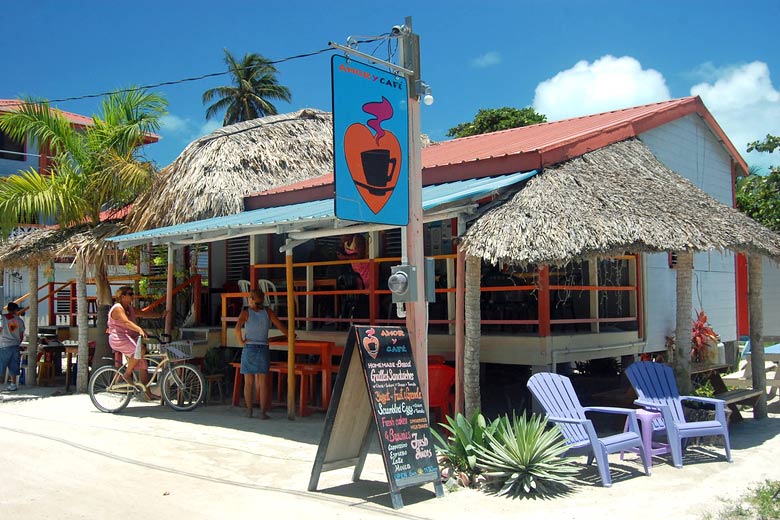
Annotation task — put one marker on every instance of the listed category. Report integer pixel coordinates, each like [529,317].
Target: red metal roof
[537,146]
[9,104]
[522,149]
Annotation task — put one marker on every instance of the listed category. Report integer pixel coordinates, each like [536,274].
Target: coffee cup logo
[378,168]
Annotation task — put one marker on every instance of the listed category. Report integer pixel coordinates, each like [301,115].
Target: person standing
[252,334]
[354,248]
[11,336]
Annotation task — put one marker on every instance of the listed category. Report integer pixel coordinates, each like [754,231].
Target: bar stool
[214,381]
[306,374]
[45,371]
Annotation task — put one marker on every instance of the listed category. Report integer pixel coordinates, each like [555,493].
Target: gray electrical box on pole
[403,283]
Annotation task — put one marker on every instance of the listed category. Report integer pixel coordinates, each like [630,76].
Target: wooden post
[290,334]
[197,288]
[460,312]
[169,290]
[544,301]
[52,314]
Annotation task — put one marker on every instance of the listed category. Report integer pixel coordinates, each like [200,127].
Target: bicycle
[182,385]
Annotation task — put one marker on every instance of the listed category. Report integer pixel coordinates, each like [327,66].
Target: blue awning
[315,215]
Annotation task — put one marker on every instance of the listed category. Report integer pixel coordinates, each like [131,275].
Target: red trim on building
[741,276]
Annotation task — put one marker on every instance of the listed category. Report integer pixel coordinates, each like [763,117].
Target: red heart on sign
[373,164]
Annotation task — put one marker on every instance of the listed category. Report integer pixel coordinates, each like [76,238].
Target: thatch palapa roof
[214,173]
[615,199]
[45,244]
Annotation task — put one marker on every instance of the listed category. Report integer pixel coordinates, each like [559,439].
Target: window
[11,149]
[238,259]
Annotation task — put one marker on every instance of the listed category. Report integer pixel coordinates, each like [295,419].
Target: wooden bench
[740,396]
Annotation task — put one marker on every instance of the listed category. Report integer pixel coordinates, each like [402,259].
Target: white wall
[771,295]
[687,147]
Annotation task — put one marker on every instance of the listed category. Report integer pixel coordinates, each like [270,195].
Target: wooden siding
[689,148]
[771,294]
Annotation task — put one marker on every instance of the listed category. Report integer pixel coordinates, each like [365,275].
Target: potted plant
[704,340]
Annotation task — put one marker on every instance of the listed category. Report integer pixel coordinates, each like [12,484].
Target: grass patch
[761,502]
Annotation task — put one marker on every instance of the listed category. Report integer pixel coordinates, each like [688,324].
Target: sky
[564,58]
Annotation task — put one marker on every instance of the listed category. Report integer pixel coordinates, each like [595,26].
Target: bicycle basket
[179,350]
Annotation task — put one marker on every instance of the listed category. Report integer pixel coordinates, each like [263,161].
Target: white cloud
[174,124]
[209,127]
[746,105]
[609,83]
[486,60]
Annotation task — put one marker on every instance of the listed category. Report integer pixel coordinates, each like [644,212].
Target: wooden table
[55,350]
[323,349]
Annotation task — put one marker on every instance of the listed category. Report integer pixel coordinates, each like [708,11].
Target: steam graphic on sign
[373,158]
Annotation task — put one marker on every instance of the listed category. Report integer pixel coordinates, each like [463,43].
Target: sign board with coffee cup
[377,390]
[370,143]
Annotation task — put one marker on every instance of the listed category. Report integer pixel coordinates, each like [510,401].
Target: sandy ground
[63,459]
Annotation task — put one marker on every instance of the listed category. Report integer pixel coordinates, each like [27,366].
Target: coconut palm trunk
[682,342]
[82,377]
[756,313]
[104,301]
[471,390]
[32,325]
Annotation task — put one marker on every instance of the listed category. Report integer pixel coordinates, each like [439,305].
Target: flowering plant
[702,334]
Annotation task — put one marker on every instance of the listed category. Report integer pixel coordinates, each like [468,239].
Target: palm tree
[472,396]
[254,84]
[92,170]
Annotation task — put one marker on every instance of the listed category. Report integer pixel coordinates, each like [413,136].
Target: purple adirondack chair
[556,395]
[657,390]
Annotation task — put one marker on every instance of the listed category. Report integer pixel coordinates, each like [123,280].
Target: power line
[212,74]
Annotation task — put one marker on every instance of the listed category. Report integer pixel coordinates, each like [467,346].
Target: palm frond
[36,120]
[28,194]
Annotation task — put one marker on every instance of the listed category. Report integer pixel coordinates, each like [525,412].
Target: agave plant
[458,454]
[522,458]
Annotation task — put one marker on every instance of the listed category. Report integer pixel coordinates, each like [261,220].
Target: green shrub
[457,454]
[522,458]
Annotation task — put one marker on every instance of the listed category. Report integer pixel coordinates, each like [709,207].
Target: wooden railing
[530,292]
[53,288]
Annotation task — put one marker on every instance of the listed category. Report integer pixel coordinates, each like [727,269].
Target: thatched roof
[42,245]
[214,173]
[615,199]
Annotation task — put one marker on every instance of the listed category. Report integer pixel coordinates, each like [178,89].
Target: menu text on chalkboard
[377,389]
[397,405]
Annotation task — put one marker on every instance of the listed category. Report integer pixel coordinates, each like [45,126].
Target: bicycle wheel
[183,387]
[108,390]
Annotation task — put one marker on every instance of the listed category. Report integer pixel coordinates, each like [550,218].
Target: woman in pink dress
[123,332]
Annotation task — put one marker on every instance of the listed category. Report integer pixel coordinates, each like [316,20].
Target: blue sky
[564,58]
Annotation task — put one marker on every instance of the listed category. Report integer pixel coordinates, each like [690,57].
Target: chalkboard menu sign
[377,389]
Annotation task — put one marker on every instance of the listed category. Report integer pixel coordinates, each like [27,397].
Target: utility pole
[417,310]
